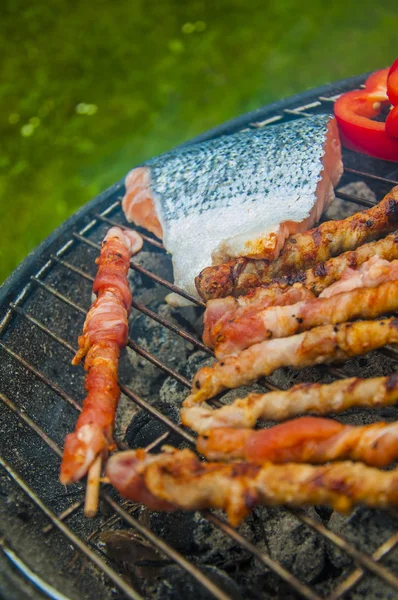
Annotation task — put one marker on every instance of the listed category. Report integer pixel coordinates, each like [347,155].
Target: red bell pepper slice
[392,93]
[355,110]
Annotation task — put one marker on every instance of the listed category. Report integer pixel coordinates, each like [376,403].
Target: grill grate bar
[360,557]
[153,411]
[58,295]
[357,575]
[72,508]
[147,273]
[184,334]
[366,175]
[77,543]
[354,199]
[146,238]
[390,351]
[169,370]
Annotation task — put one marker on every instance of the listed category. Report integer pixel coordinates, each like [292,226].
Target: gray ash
[176,585]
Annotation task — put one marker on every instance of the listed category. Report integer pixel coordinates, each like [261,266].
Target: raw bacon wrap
[105,331]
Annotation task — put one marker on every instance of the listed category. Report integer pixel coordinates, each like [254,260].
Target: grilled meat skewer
[284,321]
[307,439]
[317,398]
[301,251]
[179,480]
[222,310]
[324,274]
[324,344]
[105,332]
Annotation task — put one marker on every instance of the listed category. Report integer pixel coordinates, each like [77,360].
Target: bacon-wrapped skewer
[284,321]
[179,480]
[301,251]
[372,273]
[222,311]
[324,344]
[316,398]
[307,439]
[105,332]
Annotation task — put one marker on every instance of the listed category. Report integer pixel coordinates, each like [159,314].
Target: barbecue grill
[49,549]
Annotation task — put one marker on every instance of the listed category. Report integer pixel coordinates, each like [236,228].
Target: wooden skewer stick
[93,485]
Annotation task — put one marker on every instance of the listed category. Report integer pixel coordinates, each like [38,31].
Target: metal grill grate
[41,320]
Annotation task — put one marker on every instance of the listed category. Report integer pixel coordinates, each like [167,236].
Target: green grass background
[90,89]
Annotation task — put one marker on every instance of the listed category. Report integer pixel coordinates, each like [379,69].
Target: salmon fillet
[237,195]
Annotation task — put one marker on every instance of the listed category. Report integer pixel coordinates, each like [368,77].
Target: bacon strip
[307,439]
[222,310]
[179,480]
[372,273]
[284,321]
[320,399]
[324,344]
[105,332]
[301,251]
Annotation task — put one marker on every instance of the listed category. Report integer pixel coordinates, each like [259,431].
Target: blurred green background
[90,89]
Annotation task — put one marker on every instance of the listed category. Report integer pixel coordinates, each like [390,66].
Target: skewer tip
[92,491]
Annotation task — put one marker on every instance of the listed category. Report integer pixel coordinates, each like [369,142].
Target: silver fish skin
[237,195]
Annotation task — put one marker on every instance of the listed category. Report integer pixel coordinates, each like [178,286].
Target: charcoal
[365,529]
[293,544]
[177,584]
[285,378]
[158,339]
[143,286]
[178,528]
[174,392]
[145,428]
[145,378]
[196,361]
[191,534]
[374,588]
[218,549]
